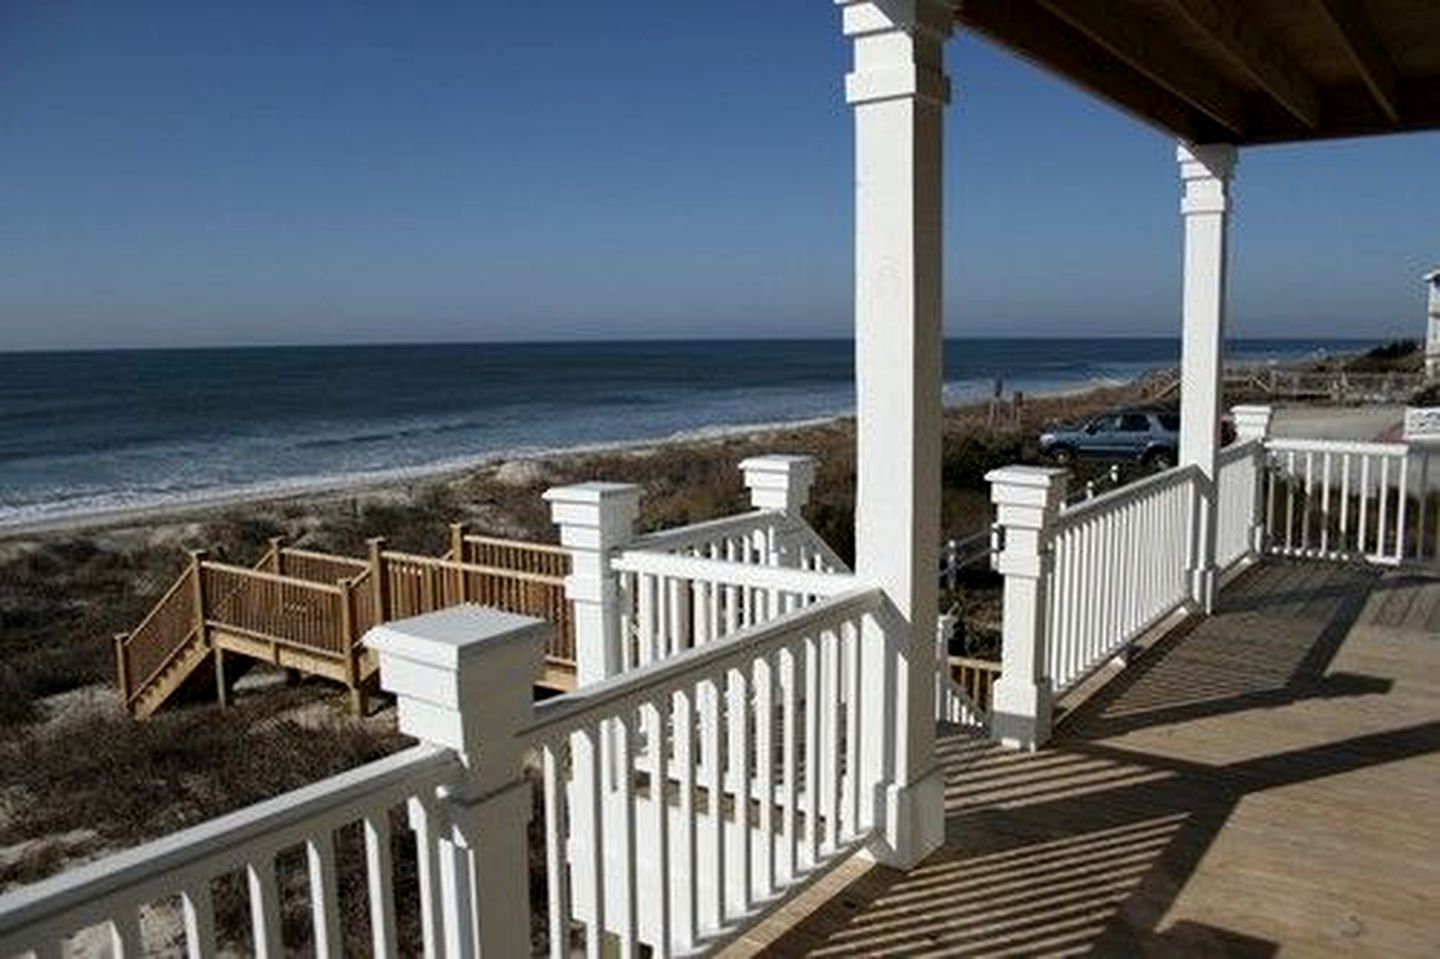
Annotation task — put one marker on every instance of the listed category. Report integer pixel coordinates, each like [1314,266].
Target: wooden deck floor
[1265,782]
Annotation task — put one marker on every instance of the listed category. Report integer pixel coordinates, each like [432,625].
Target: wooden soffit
[1236,71]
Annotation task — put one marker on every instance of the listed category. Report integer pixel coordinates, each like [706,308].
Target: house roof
[1236,71]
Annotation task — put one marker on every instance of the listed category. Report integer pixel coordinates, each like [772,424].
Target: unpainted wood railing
[321,604]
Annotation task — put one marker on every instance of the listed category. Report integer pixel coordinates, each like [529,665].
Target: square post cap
[461,676]
[779,481]
[594,515]
[1252,421]
[1028,485]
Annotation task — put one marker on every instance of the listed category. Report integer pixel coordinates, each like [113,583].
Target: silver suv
[1146,436]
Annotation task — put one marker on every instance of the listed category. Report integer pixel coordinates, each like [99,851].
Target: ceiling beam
[1169,65]
[1227,28]
[1051,44]
[1362,45]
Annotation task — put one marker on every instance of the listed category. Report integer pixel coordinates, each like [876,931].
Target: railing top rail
[263,576]
[1286,444]
[326,557]
[1122,495]
[682,536]
[182,580]
[82,893]
[436,562]
[734,574]
[600,700]
[529,545]
[1237,451]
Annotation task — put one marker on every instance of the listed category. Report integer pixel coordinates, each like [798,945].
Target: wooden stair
[307,611]
[153,694]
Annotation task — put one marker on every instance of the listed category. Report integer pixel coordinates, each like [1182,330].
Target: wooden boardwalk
[1265,782]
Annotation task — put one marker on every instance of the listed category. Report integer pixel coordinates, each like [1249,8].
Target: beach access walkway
[307,611]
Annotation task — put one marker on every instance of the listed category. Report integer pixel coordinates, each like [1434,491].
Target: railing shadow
[1246,657]
[1084,847]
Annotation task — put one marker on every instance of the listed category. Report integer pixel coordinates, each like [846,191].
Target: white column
[462,678]
[1432,325]
[595,519]
[898,90]
[1027,499]
[1205,172]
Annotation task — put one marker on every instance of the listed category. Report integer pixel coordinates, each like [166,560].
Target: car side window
[1170,421]
[1134,423]
[1101,424]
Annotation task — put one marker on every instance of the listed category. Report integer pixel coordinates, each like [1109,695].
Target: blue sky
[194,173]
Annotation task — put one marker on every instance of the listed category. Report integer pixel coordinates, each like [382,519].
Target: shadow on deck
[1259,781]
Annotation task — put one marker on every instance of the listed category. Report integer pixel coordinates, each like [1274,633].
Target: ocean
[91,432]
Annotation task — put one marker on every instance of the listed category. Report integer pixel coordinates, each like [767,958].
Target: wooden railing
[412,585]
[275,608]
[543,559]
[143,653]
[316,567]
[322,604]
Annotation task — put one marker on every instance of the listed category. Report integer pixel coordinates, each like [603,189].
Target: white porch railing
[1239,468]
[691,793]
[1121,564]
[1337,500]
[112,893]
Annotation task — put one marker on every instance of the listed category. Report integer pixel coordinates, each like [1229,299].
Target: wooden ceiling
[1236,71]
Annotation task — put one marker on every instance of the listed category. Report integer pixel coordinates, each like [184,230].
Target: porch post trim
[898,90]
[1205,172]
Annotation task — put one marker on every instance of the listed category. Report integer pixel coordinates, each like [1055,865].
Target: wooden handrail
[211,564]
[155,610]
[528,545]
[431,562]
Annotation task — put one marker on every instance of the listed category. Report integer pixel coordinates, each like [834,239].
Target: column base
[914,825]
[1021,714]
[1202,589]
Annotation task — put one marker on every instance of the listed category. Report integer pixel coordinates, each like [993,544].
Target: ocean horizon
[92,432]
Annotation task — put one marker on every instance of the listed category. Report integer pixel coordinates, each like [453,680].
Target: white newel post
[595,520]
[1027,499]
[463,678]
[1432,325]
[780,482]
[1205,172]
[1252,422]
[898,89]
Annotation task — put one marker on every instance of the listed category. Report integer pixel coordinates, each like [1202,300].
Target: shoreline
[202,504]
[301,492]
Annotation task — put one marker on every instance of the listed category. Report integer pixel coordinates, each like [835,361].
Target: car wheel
[1063,455]
[1161,460]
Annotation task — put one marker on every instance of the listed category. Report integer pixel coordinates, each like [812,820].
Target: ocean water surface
[89,432]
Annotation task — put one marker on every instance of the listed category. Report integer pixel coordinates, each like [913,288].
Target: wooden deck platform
[1265,782]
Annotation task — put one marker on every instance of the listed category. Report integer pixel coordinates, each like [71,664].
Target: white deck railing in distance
[1337,500]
